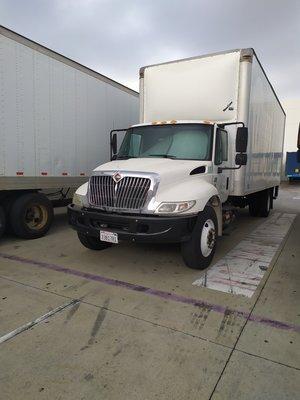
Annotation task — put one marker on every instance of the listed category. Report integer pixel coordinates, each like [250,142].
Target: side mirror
[241,159]
[114,144]
[241,141]
[298,156]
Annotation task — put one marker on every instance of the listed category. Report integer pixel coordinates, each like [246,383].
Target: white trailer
[210,139]
[55,119]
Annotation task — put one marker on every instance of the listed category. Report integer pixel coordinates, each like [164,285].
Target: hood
[169,170]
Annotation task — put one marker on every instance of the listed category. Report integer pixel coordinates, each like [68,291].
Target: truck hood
[168,170]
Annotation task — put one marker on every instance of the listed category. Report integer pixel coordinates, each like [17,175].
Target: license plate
[110,237]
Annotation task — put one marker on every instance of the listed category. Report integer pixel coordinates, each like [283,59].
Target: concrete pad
[279,299]
[222,327]
[20,304]
[89,353]
[251,378]
[201,321]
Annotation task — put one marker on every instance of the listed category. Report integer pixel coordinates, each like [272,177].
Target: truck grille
[129,193]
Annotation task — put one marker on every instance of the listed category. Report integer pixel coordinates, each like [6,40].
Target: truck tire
[92,243]
[198,252]
[2,221]
[260,204]
[31,215]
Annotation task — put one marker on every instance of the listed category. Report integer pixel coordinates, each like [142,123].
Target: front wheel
[92,243]
[198,252]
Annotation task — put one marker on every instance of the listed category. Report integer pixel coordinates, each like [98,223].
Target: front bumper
[135,228]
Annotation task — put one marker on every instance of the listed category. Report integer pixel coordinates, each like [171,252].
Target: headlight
[173,208]
[77,200]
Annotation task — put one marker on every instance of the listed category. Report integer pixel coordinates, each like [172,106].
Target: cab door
[221,177]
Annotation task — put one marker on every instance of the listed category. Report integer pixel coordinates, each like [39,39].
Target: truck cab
[166,183]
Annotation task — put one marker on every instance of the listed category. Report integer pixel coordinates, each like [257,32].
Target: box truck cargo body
[210,139]
[226,87]
[55,116]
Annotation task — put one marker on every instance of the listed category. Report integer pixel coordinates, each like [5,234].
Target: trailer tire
[2,221]
[31,215]
[198,252]
[260,204]
[92,243]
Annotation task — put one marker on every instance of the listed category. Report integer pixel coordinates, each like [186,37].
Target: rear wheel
[198,252]
[31,215]
[91,242]
[260,204]
[2,221]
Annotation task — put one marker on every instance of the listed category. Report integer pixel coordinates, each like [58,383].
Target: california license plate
[110,237]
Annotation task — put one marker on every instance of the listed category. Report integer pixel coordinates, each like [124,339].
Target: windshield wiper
[162,155]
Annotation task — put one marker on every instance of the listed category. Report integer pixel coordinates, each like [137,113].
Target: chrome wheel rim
[208,237]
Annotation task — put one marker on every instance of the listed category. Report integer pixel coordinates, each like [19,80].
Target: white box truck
[54,118]
[210,139]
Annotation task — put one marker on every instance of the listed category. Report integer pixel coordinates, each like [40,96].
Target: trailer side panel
[266,134]
[54,118]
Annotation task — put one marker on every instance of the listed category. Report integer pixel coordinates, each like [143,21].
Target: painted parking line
[36,321]
[242,269]
[154,292]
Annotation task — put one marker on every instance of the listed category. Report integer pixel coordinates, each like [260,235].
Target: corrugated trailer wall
[55,119]
[266,133]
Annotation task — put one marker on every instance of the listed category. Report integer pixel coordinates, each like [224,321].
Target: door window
[221,153]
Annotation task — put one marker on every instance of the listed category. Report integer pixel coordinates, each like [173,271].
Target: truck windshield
[180,141]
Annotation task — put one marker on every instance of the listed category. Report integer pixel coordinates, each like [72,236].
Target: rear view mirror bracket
[241,144]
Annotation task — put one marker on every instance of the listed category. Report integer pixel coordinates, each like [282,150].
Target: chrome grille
[129,193]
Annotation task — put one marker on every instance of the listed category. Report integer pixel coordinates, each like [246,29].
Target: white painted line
[242,269]
[35,322]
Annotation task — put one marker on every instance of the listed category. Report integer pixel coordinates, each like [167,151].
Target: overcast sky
[117,37]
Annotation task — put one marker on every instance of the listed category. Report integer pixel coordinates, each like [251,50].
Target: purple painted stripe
[153,292]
